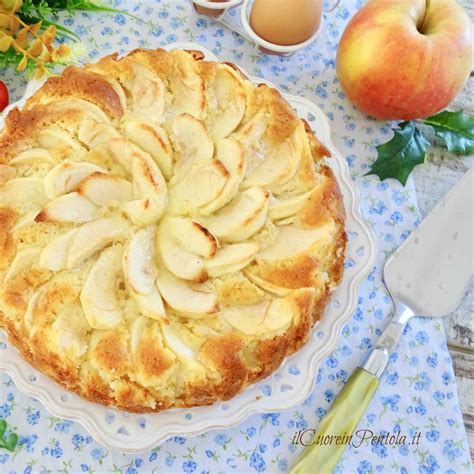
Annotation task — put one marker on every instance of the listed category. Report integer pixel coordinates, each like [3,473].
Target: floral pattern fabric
[418,391]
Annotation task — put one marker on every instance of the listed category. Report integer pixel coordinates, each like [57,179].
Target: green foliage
[397,158]
[13,58]
[9,443]
[73,5]
[456,129]
[34,11]
[44,9]
[27,42]
[408,146]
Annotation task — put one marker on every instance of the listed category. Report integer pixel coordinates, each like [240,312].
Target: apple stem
[421,25]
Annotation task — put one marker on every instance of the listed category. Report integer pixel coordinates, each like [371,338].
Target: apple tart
[169,231]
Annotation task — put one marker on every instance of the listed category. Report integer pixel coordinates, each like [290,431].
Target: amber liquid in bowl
[286,23]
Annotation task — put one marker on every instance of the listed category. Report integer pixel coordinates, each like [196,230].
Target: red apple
[405,59]
[3,96]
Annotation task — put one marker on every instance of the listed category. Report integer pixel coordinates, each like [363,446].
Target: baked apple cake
[169,231]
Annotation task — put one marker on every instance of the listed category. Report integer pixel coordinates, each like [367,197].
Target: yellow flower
[11,5]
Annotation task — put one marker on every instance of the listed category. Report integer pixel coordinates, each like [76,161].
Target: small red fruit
[3,96]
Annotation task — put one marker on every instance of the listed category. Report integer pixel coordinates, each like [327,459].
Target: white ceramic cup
[277,48]
[215,8]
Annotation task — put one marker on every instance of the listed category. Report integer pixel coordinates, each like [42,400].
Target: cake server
[427,276]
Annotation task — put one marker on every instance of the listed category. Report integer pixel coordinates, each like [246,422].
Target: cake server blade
[427,276]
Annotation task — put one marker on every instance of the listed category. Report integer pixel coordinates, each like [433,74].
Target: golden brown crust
[96,389]
[325,203]
[318,150]
[8,218]
[79,83]
[21,127]
[271,352]
[119,351]
[111,353]
[298,272]
[224,354]
[152,359]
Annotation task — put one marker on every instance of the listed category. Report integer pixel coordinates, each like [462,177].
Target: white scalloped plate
[290,385]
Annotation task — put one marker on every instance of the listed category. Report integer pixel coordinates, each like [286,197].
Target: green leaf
[11,442]
[456,129]
[33,11]
[10,58]
[397,158]
[76,5]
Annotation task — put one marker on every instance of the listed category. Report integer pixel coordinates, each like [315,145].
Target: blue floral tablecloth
[418,391]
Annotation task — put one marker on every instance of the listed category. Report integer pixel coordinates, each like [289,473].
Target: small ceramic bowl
[266,46]
[215,9]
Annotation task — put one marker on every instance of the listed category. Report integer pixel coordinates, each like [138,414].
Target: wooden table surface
[432,181]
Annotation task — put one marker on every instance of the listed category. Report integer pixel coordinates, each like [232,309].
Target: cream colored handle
[340,422]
